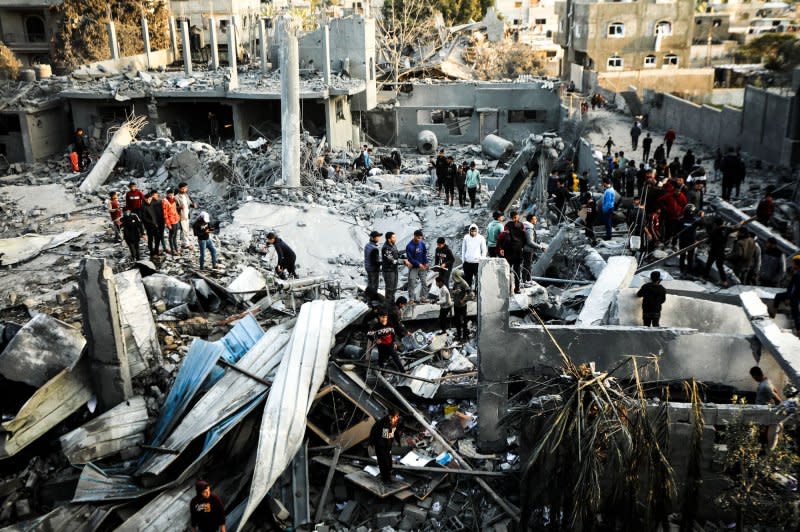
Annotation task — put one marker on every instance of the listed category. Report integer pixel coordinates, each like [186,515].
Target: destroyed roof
[31,96]
[93,83]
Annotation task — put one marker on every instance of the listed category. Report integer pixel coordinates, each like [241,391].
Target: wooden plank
[375,486]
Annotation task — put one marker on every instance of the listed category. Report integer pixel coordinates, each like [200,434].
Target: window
[541,21]
[527,115]
[670,60]
[616,29]
[517,5]
[650,61]
[34,28]
[456,120]
[663,28]
[615,62]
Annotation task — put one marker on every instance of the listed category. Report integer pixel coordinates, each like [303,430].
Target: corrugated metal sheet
[199,363]
[120,428]
[297,381]
[51,404]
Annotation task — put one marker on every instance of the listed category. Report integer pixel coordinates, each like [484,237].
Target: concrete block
[414,514]
[348,512]
[387,519]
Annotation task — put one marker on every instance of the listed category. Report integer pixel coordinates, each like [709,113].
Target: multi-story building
[535,16]
[198,12]
[26,27]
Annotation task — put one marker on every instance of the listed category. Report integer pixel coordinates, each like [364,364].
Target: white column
[173,38]
[146,38]
[262,45]
[326,55]
[232,50]
[187,51]
[112,40]
[290,101]
[212,31]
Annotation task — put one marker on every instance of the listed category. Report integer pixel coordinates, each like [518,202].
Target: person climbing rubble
[202,230]
[286,256]
[207,513]
[445,305]
[461,294]
[653,296]
[382,434]
[384,334]
[417,264]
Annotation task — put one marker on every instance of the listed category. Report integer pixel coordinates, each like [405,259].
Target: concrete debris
[23,248]
[41,349]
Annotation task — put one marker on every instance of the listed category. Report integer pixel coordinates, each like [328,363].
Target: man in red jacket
[133,198]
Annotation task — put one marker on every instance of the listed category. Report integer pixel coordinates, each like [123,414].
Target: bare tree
[404,25]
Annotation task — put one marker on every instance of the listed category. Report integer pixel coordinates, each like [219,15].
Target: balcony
[32,42]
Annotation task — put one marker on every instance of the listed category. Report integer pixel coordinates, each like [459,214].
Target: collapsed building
[268,387]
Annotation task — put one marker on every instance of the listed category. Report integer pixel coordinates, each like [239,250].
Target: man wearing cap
[206,510]
[417,264]
[372,263]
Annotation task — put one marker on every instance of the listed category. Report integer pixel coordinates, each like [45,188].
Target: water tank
[427,142]
[43,71]
[27,74]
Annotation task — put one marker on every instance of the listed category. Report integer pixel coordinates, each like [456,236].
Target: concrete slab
[784,346]
[615,276]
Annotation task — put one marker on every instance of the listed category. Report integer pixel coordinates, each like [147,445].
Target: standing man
[687,236]
[473,184]
[443,260]
[773,264]
[115,212]
[717,241]
[473,249]
[493,230]
[792,294]
[206,510]
[441,171]
[381,436]
[609,199]
[531,245]
[461,183]
[182,204]
[445,305]
[417,264]
[512,246]
[609,144]
[766,208]
[653,296]
[389,260]
[81,149]
[213,129]
[157,205]
[635,132]
[766,394]
[132,232]
[589,205]
[134,198]
[372,264]
[729,167]
[202,230]
[449,181]
[647,143]
[744,255]
[286,256]
[150,222]
[669,139]
[172,222]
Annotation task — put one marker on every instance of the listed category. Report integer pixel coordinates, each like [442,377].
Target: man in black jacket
[286,256]
[441,171]
[132,232]
[389,264]
[443,260]
[372,264]
[653,296]
[717,242]
[152,218]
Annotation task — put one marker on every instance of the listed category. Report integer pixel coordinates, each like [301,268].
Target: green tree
[777,51]
[453,11]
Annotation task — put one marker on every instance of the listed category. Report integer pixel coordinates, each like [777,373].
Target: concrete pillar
[290,101]
[262,45]
[187,50]
[112,40]
[212,30]
[146,39]
[493,292]
[617,275]
[232,51]
[326,55]
[105,343]
[173,38]
[241,122]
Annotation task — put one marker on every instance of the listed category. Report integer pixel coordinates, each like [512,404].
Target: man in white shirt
[473,249]
[183,202]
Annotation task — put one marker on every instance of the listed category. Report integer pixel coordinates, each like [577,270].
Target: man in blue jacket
[609,198]
[372,264]
[417,264]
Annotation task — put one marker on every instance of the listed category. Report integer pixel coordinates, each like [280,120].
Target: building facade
[26,28]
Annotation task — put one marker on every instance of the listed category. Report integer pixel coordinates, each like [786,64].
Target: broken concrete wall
[685,312]
[510,110]
[683,353]
[138,326]
[110,370]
